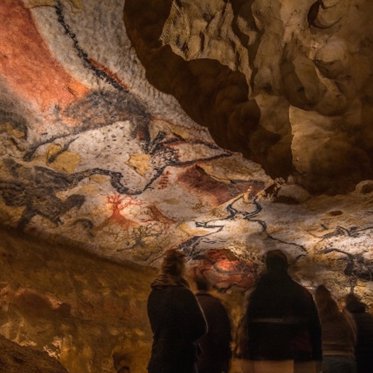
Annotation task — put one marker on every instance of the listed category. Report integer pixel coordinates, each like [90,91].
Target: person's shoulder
[182,290]
[302,289]
[207,297]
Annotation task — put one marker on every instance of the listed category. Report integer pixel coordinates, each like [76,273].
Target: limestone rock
[364,187]
[15,359]
[292,193]
[315,55]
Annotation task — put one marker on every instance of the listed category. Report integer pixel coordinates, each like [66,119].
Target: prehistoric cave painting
[324,16]
[86,224]
[98,109]
[35,189]
[100,72]
[118,204]
[17,122]
[233,213]
[225,270]
[357,266]
[197,179]
[350,232]
[23,60]
[40,183]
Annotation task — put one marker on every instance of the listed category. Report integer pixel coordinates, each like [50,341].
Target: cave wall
[88,313]
[117,140]
[305,65]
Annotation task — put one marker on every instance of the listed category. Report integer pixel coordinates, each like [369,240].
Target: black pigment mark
[64,148]
[101,109]
[313,14]
[99,73]
[232,214]
[37,190]
[349,232]
[15,120]
[357,265]
[87,224]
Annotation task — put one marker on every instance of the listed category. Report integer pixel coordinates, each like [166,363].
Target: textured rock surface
[87,312]
[307,64]
[15,359]
[80,309]
[93,156]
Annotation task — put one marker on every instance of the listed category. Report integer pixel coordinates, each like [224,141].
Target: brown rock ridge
[16,359]
[307,66]
[86,312]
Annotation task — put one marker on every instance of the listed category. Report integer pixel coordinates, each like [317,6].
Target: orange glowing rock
[28,66]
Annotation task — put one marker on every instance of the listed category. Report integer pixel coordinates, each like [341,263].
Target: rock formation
[221,128]
[307,66]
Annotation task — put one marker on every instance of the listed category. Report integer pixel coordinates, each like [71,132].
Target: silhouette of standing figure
[176,319]
[282,323]
[215,350]
[338,337]
[364,333]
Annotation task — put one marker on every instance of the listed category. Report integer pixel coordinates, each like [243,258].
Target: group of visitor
[284,330]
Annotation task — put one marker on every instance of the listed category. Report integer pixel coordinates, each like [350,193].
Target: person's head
[276,261]
[354,304]
[327,306]
[201,283]
[173,263]
[121,362]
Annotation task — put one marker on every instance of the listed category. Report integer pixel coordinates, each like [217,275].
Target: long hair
[327,306]
[173,263]
[172,270]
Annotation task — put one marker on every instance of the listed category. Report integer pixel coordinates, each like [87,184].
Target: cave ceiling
[221,128]
[224,129]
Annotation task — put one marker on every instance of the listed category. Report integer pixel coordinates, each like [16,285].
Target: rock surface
[94,157]
[16,359]
[307,66]
[82,310]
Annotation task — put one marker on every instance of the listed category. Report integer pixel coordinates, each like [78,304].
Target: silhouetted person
[176,319]
[120,361]
[282,323]
[215,351]
[364,333]
[337,335]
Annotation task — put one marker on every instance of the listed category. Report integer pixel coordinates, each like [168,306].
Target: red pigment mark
[163,181]
[117,205]
[223,269]
[157,215]
[26,63]
[108,72]
[197,180]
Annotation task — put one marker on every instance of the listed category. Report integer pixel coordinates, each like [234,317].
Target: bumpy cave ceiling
[95,155]
[222,128]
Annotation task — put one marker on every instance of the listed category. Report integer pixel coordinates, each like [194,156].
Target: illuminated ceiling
[94,155]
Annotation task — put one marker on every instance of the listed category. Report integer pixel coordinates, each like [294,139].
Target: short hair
[326,305]
[354,304]
[276,260]
[173,262]
[201,283]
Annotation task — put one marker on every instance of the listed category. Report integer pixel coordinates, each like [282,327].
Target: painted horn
[325,14]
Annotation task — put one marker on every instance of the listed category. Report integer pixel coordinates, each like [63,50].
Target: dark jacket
[215,345]
[338,337]
[364,341]
[177,322]
[282,321]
